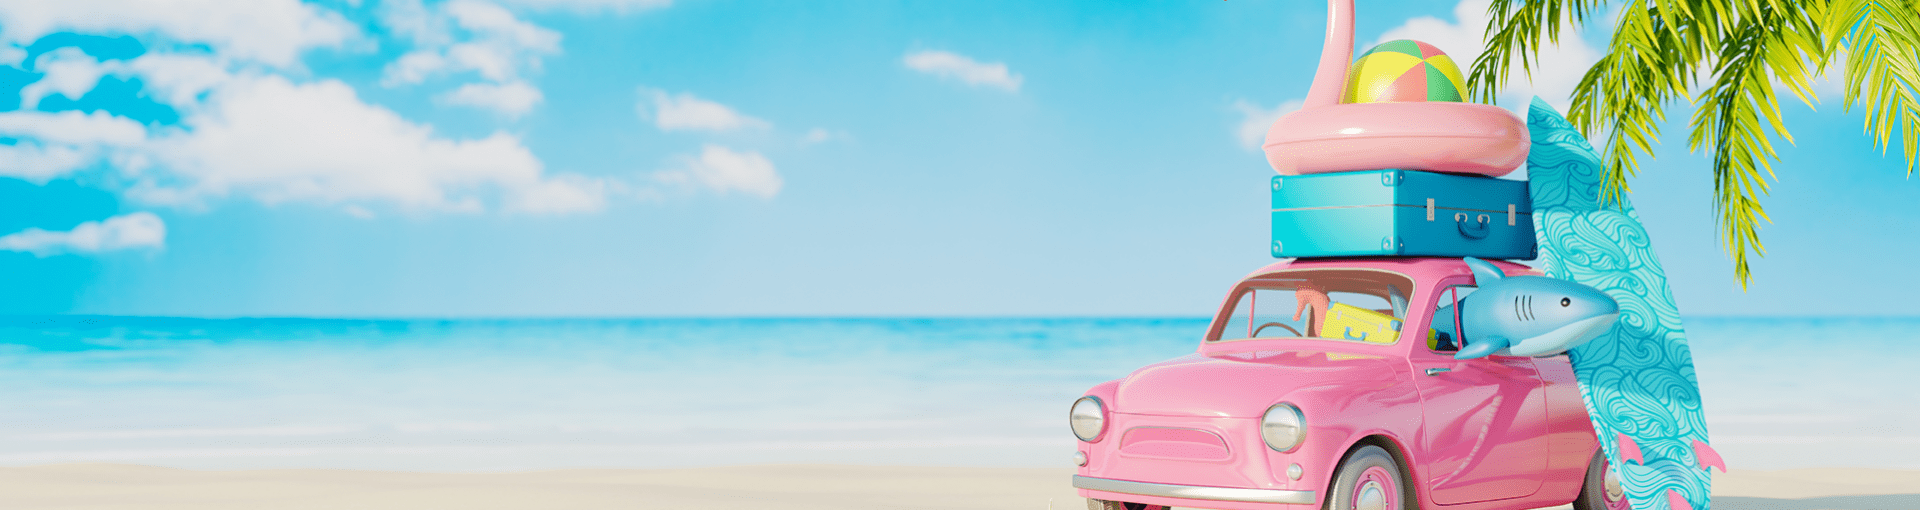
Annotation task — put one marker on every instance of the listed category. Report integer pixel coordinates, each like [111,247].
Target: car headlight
[1088,418]
[1283,427]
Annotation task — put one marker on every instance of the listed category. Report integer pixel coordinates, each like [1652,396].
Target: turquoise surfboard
[1637,379]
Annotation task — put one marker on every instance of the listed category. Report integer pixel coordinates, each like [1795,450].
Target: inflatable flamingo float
[1328,135]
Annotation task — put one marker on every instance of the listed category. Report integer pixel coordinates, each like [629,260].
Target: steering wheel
[1256,331]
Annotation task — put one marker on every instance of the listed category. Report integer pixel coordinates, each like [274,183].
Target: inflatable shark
[1525,315]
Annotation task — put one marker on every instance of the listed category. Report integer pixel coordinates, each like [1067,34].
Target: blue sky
[641,157]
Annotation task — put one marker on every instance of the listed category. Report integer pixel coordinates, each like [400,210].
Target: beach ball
[1404,71]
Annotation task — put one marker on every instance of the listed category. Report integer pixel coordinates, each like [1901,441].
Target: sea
[526,394]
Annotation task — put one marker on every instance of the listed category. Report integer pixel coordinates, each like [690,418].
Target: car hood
[1244,384]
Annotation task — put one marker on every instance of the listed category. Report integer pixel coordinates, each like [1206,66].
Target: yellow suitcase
[1348,322]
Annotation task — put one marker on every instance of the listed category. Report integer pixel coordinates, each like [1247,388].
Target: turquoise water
[466,395]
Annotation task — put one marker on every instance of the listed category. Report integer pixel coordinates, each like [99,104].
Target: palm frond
[1624,95]
[1764,45]
[1881,40]
[1659,47]
[1520,32]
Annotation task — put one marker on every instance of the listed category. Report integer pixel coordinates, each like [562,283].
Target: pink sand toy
[1334,384]
[1326,135]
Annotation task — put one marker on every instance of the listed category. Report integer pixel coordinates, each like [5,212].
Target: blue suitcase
[1401,213]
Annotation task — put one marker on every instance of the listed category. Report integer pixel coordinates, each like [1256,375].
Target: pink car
[1329,384]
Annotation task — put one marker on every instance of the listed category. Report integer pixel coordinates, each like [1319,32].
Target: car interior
[1363,306]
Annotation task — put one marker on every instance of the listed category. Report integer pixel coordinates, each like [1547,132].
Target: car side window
[1444,336]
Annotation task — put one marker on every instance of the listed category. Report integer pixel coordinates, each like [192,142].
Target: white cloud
[1832,81]
[489,41]
[279,141]
[413,67]
[562,194]
[510,99]
[175,79]
[816,135]
[67,71]
[247,131]
[495,23]
[270,31]
[957,66]
[179,80]
[822,135]
[136,230]
[724,171]
[41,163]
[1255,120]
[588,6]
[72,127]
[495,62]
[684,112]
[1555,75]
[496,45]
[12,55]
[54,144]
[412,18]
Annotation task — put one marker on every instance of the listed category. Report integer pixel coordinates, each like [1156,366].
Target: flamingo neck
[1330,80]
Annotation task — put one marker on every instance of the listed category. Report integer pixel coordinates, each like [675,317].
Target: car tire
[1369,479]
[1101,504]
[1601,489]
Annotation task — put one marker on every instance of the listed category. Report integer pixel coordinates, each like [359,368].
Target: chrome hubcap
[1370,497]
[1612,485]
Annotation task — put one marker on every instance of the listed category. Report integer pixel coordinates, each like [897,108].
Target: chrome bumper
[1194,491]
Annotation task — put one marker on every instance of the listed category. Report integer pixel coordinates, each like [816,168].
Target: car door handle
[1438,371]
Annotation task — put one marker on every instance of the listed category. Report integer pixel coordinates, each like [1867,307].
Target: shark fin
[1709,459]
[1484,272]
[1677,502]
[1480,347]
[1628,450]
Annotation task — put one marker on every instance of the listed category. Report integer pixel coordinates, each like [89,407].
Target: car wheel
[1601,490]
[1101,504]
[1368,480]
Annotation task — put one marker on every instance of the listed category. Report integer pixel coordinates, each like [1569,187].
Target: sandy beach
[120,486]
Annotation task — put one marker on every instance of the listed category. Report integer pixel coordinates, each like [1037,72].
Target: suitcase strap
[1513,214]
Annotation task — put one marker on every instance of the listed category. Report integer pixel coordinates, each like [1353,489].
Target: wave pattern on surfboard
[1637,379]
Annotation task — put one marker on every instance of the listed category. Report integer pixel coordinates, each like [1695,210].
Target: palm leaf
[1765,44]
[1518,32]
[1882,43]
[1657,50]
[1643,72]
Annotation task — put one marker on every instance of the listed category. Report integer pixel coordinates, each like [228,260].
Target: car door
[1485,431]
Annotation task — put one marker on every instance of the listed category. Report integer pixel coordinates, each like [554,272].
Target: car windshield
[1349,305]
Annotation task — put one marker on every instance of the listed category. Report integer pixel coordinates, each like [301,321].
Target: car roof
[1418,268]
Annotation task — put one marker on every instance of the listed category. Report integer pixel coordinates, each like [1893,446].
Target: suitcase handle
[1350,336]
[1470,229]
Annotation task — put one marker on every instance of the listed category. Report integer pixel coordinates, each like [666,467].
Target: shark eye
[1564,302]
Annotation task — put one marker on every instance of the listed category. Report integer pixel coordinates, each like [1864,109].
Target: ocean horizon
[504,394]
